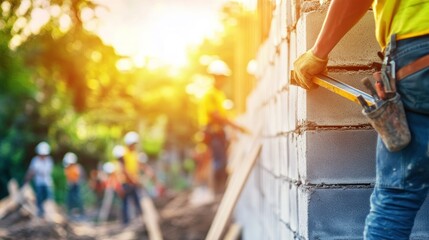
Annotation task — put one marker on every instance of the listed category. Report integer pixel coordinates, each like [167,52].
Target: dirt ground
[178,220]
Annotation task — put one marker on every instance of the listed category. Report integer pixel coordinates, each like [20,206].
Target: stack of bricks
[316,171]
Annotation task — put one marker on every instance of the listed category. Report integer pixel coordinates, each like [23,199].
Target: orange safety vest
[72,173]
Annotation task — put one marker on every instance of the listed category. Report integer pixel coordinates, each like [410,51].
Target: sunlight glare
[124,64]
[162,30]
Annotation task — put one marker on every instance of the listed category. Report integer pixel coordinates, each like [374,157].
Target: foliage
[60,83]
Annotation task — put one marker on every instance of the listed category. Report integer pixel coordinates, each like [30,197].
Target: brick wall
[314,176]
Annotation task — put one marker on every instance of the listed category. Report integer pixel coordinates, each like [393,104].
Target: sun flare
[162,31]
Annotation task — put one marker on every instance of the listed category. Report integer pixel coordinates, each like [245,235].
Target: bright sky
[158,28]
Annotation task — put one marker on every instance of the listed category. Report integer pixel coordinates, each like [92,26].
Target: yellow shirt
[131,164]
[212,102]
[406,18]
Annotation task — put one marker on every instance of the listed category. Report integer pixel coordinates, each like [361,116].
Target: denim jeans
[402,180]
[218,145]
[74,199]
[130,193]
[43,193]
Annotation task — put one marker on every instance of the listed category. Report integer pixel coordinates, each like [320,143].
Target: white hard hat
[131,138]
[118,151]
[43,148]
[219,67]
[108,167]
[69,158]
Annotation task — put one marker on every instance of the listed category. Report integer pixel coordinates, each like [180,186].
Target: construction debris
[178,218]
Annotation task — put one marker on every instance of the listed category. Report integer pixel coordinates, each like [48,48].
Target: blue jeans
[74,199]
[218,145]
[130,193]
[402,180]
[43,193]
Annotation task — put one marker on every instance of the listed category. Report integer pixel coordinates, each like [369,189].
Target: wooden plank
[106,204]
[233,191]
[151,219]
[233,232]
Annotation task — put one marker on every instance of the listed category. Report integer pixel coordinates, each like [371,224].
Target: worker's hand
[306,67]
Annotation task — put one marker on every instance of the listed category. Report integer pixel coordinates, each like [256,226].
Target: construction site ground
[179,219]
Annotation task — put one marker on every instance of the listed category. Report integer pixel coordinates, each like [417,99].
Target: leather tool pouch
[390,122]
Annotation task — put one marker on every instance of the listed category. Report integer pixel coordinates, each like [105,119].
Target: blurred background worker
[111,187]
[40,171]
[128,159]
[74,174]
[213,118]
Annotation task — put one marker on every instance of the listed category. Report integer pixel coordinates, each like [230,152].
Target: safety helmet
[43,148]
[131,138]
[69,158]
[219,67]
[108,167]
[118,151]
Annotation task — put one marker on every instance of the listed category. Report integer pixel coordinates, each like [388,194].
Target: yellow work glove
[306,67]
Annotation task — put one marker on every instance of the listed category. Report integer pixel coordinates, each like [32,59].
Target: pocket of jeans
[414,90]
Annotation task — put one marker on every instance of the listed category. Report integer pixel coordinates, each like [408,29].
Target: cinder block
[265,152]
[295,212]
[283,19]
[292,119]
[283,156]
[339,213]
[284,111]
[358,47]
[276,157]
[277,121]
[285,202]
[325,108]
[285,232]
[284,64]
[293,158]
[327,214]
[338,157]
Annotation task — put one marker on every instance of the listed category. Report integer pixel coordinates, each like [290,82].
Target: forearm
[341,17]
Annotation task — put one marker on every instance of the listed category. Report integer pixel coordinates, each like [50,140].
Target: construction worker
[213,118]
[402,30]
[40,171]
[74,173]
[128,159]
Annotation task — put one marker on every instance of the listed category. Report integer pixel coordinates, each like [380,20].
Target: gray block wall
[316,170]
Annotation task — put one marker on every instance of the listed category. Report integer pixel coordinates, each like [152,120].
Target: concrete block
[276,157]
[293,158]
[284,64]
[284,111]
[264,186]
[325,108]
[285,202]
[283,158]
[293,49]
[283,19]
[277,121]
[358,47]
[338,157]
[295,212]
[292,120]
[265,152]
[327,214]
[285,232]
